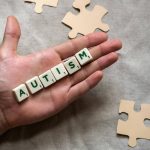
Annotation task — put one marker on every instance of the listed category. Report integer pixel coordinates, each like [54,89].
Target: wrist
[4,126]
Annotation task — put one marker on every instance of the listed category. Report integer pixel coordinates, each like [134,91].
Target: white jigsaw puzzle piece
[40,3]
[86,21]
[134,127]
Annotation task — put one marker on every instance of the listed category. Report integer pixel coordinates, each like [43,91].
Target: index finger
[71,47]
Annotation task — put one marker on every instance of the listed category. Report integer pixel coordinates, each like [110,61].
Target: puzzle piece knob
[73,33]
[38,9]
[132,142]
[104,27]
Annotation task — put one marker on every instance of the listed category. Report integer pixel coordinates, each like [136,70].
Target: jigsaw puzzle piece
[86,21]
[134,127]
[39,4]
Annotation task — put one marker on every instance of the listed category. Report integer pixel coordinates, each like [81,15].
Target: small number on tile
[21,92]
[47,78]
[34,85]
[59,71]
[72,65]
[84,56]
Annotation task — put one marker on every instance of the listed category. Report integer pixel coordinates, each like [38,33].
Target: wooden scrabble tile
[34,85]
[72,65]
[47,78]
[21,92]
[84,56]
[59,71]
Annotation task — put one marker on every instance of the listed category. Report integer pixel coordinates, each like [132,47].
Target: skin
[16,69]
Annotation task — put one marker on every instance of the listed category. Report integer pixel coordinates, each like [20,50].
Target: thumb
[11,37]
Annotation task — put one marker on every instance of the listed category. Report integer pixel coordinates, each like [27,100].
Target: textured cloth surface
[90,123]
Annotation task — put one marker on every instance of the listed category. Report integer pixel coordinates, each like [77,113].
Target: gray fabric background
[90,123]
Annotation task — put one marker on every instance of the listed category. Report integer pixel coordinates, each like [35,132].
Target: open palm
[15,70]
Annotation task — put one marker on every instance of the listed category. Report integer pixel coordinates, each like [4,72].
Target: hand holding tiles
[38,75]
[56,73]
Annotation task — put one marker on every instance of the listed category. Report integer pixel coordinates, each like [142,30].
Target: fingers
[84,86]
[97,65]
[73,46]
[11,37]
[105,48]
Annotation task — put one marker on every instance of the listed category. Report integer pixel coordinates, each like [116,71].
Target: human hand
[16,69]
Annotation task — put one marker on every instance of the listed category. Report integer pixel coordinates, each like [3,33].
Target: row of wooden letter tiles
[37,83]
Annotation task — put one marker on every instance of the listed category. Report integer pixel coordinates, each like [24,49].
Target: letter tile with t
[47,78]
[34,85]
[72,65]
[59,71]
[84,56]
[21,92]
